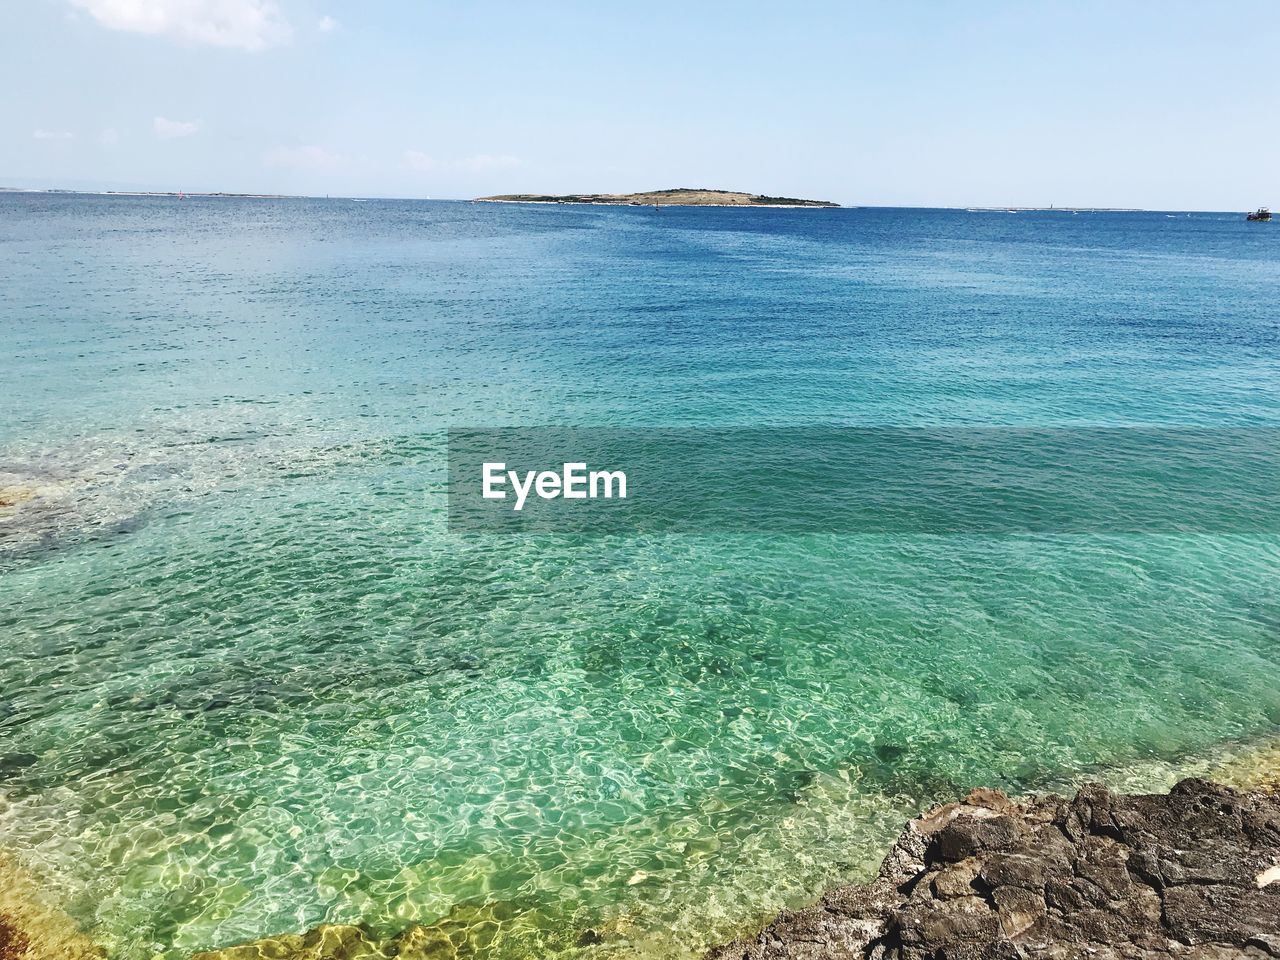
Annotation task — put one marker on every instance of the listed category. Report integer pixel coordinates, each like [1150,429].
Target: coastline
[39,930]
[1253,769]
[1192,872]
[619,203]
[671,197]
[217,194]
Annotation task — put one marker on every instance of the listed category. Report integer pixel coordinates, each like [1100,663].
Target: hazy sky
[1153,104]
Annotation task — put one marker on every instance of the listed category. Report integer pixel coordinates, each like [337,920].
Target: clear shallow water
[251,685]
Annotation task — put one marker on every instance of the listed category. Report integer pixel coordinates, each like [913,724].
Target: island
[676,197]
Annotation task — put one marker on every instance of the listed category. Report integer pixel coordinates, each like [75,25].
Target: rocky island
[677,197]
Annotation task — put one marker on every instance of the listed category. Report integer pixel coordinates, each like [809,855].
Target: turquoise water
[251,683]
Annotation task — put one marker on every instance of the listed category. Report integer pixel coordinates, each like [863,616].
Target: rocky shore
[1193,873]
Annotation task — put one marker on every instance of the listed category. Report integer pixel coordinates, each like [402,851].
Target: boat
[1262,213]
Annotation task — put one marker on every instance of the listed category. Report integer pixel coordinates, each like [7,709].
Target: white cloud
[172,129]
[43,134]
[246,24]
[309,157]
[109,137]
[327,24]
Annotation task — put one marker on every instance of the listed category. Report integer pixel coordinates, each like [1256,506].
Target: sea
[252,682]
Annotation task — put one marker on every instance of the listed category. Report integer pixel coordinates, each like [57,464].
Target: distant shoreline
[619,203]
[1059,210]
[579,200]
[674,197]
[161,193]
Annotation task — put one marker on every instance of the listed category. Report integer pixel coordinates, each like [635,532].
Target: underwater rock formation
[33,928]
[467,931]
[1192,873]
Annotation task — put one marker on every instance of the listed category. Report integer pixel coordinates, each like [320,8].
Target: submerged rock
[330,941]
[1192,874]
[468,931]
[14,494]
[34,928]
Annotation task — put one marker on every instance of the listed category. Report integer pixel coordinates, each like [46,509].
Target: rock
[1018,910]
[14,944]
[1267,943]
[936,924]
[589,937]
[1014,870]
[956,880]
[1213,913]
[966,836]
[1189,875]
[467,931]
[32,927]
[329,941]
[13,495]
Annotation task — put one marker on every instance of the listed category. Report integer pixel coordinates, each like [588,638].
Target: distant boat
[1262,213]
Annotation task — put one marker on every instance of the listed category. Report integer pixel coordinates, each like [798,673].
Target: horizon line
[228,194]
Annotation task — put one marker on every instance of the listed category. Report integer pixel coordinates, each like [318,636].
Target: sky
[1161,104]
